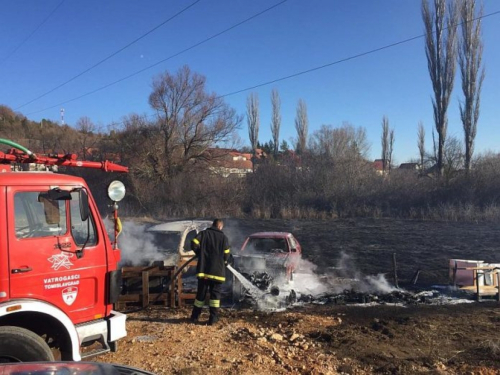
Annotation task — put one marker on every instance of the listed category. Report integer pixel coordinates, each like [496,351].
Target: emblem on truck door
[69,295]
[61,260]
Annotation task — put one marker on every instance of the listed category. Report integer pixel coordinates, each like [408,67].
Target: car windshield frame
[267,245]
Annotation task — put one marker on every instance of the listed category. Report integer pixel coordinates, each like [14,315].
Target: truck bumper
[105,330]
[117,326]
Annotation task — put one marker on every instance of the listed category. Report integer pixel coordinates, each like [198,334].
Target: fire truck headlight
[116,191]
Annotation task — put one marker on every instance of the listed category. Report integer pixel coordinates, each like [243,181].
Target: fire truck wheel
[21,345]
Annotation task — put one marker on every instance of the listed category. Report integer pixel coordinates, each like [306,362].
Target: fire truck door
[44,236]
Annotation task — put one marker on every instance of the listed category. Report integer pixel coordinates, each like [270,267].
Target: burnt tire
[21,345]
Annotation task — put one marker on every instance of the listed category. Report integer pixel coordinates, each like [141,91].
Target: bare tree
[360,146]
[324,141]
[301,125]
[385,143]
[441,51]
[189,121]
[253,122]
[453,156]
[421,143]
[346,142]
[391,147]
[86,136]
[276,120]
[470,59]
[85,125]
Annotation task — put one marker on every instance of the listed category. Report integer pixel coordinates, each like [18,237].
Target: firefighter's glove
[230,260]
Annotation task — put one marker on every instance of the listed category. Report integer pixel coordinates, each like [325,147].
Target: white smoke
[137,246]
[344,276]
[234,234]
[376,284]
[306,281]
[346,269]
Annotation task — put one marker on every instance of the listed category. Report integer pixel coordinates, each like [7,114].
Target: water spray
[255,292]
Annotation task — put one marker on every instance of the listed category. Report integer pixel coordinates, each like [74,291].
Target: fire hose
[17,146]
[164,290]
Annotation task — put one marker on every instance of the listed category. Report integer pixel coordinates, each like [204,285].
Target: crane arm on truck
[21,155]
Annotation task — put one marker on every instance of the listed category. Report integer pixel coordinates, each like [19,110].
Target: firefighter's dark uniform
[212,248]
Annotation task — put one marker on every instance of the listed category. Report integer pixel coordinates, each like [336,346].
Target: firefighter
[212,248]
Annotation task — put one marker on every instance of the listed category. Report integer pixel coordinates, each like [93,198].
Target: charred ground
[370,243]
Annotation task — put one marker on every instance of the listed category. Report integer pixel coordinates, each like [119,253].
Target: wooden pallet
[142,294]
[183,296]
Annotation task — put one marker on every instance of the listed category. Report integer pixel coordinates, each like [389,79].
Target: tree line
[452,36]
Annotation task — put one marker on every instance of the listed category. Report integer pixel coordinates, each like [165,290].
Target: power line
[164,60]
[110,56]
[32,33]
[341,60]
[322,66]
[281,78]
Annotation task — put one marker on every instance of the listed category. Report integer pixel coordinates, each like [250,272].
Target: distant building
[378,165]
[410,166]
[232,163]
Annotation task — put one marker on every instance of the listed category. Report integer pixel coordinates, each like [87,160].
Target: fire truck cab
[58,270]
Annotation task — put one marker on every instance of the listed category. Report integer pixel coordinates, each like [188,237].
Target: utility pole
[62,116]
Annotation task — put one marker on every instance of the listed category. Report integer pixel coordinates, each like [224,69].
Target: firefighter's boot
[195,314]
[214,316]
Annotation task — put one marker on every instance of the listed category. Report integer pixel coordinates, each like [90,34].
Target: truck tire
[21,345]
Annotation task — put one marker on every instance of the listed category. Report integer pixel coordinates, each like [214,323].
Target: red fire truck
[58,267]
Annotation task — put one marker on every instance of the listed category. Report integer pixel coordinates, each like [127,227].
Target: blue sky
[295,36]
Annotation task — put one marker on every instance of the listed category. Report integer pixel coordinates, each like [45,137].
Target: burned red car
[278,251]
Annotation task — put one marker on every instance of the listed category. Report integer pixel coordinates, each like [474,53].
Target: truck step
[95,352]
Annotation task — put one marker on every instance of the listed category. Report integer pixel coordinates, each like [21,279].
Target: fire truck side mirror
[84,205]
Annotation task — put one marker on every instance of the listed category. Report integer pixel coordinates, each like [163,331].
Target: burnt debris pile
[354,297]
[261,280]
[286,296]
[399,297]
